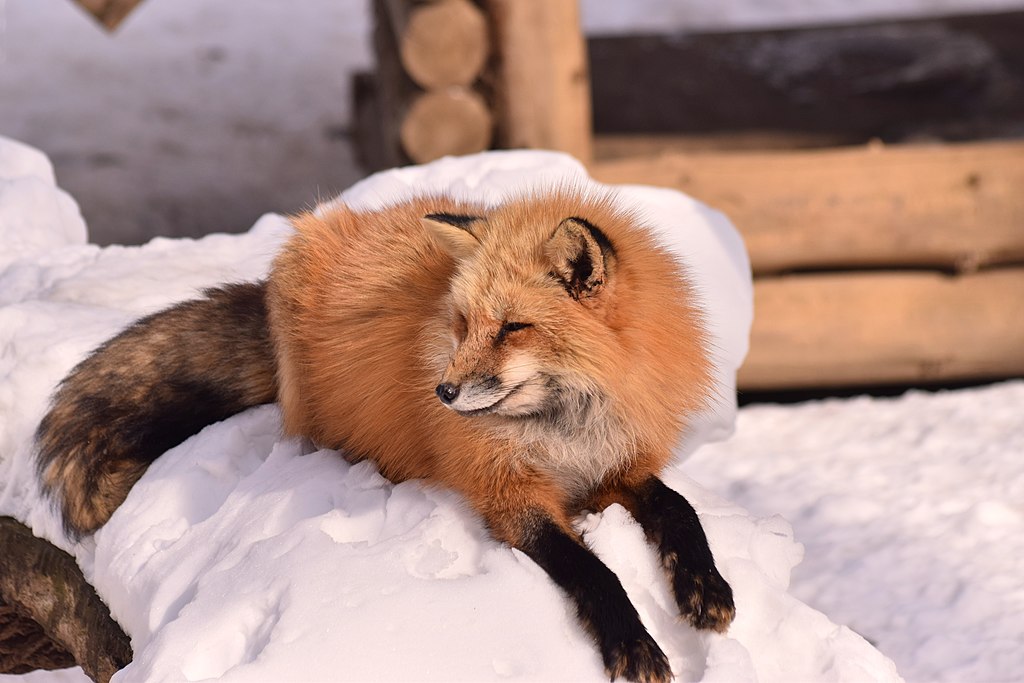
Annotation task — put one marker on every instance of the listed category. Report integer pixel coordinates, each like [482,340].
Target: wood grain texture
[951,207]
[859,329]
[442,122]
[440,42]
[44,583]
[542,86]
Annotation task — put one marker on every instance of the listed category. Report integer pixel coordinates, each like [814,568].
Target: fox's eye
[508,328]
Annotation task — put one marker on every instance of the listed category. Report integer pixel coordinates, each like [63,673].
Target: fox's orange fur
[367,312]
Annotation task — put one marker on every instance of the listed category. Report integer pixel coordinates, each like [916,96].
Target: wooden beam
[110,13]
[839,330]
[954,77]
[542,86]
[955,207]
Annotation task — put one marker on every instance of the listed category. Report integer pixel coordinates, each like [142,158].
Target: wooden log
[954,77]
[440,42]
[542,86]
[859,329]
[375,149]
[955,207]
[421,126]
[110,13]
[441,122]
[25,647]
[43,582]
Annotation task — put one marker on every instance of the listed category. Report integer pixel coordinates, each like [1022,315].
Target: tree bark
[40,582]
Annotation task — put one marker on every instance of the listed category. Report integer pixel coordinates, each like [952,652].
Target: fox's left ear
[456,232]
[580,253]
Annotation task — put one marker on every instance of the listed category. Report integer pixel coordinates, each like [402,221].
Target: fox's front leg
[602,606]
[670,522]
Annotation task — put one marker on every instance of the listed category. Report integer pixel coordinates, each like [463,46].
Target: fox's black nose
[447,393]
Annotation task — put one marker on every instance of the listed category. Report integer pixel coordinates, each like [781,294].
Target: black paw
[705,599]
[640,660]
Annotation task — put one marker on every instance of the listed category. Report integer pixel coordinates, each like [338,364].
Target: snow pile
[242,555]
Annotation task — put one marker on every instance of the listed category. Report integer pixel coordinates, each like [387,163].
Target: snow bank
[241,555]
[911,512]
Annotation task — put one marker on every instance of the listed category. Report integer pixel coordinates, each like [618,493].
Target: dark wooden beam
[951,78]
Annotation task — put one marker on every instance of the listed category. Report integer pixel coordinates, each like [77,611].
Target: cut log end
[446,122]
[444,43]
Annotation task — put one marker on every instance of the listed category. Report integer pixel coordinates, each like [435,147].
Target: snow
[242,555]
[910,511]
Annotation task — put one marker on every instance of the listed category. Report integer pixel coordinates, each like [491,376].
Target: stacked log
[424,101]
[873,265]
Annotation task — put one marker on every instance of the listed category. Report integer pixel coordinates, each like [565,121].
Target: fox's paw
[640,661]
[704,598]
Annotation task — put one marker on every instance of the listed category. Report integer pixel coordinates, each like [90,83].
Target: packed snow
[243,555]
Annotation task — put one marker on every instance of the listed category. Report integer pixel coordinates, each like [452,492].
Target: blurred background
[196,116]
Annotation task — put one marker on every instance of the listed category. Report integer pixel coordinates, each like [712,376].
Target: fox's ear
[579,253]
[455,232]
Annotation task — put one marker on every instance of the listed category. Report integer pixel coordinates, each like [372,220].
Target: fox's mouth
[486,410]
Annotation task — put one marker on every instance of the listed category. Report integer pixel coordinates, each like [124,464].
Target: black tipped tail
[148,389]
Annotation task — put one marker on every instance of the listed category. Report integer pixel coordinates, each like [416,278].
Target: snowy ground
[244,556]
[910,510]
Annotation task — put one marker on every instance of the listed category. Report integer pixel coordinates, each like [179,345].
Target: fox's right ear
[455,232]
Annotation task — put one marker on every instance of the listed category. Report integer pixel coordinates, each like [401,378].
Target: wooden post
[542,86]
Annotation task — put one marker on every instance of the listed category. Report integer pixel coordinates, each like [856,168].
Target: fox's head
[535,308]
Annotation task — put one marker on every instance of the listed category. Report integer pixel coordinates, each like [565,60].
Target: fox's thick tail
[148,389]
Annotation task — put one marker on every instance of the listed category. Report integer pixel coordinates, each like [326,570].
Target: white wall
[195,116]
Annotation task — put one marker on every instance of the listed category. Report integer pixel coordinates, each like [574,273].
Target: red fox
[541,357]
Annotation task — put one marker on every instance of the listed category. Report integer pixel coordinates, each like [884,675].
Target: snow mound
[35,215]
[242,555]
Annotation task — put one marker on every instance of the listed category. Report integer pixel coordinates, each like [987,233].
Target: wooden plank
[858,329]
[441,42]
[110,13]
[955,78]
[944,206]
[542,87]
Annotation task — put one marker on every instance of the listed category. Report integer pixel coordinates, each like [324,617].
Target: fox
[540,356]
